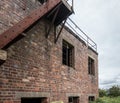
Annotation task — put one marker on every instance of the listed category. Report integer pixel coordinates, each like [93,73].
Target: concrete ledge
[73,94]
[19,95]
[91,95]
[3,55]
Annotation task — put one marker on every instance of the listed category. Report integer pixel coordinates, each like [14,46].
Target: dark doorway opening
[34,100]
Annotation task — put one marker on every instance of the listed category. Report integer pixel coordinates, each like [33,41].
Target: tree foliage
[114,91]
[102,92]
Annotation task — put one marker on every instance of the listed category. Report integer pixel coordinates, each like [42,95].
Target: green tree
[102,92]
[114,91]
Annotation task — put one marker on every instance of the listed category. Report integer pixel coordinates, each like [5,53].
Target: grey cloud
[107,82]
[100,20]
[110,82]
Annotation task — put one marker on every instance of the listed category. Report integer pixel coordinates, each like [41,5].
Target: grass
[108,100]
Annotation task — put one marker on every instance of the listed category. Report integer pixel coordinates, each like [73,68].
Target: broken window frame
[91,66]
[67,54]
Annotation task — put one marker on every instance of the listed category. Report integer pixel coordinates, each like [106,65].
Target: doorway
[34,100]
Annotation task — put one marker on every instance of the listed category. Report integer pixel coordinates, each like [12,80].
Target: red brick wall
[34,65]
[12,11]
[34,68]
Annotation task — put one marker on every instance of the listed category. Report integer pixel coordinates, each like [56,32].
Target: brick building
[41,59]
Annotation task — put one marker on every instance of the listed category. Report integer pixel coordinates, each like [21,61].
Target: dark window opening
[67,54]
[91,98]
[73,100]
[91,66]
[42,1]
[34,100]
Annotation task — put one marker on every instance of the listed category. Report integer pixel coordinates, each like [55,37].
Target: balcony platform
[63,10]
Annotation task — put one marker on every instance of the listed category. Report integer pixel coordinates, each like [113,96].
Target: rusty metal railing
[82,35]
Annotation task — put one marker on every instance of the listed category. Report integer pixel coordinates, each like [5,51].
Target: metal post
[72,4]
[87,42]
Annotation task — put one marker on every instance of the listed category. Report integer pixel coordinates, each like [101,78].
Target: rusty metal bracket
[52,23]
[57,35]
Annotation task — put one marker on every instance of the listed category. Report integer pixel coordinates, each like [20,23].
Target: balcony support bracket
[57,35]
[52,23]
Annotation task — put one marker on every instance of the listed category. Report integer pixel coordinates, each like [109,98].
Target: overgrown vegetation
[107,100]
[111,95]
[102,93]
[114,91]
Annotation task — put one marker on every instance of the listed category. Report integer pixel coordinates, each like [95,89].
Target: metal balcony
[60,12]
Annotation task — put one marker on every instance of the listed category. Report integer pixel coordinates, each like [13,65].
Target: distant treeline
[114,91]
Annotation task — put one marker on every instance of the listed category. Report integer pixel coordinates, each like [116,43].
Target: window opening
[91,67]
[73,100]
[91,98]
[67,54]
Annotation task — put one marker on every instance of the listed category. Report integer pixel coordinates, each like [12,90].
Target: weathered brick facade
[12,11]
[34,68]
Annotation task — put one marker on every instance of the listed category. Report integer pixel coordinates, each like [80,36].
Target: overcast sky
[100,20]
